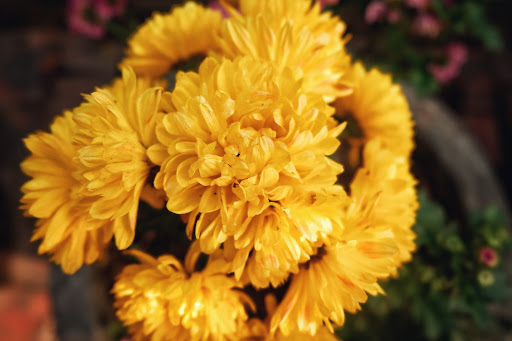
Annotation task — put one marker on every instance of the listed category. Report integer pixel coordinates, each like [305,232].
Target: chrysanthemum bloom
[159,299]
[379,109]
[167,39]
[245,154]
[376,240]
[258,330]
[338,279]
[115,126]
[241,150]
[383,194]
[65,226]
[293,34]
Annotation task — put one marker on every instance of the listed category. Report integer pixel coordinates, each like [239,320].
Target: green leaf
[491,38]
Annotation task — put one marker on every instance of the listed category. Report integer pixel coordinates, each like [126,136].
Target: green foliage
[444,292]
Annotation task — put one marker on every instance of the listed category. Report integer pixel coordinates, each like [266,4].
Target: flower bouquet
[285,162]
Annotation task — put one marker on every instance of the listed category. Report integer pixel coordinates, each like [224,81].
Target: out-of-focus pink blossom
[394,15]
[488,256]
[426,25]
[448,3]
[443,73]
[324,3]
[375,12]
[107,9]
[89,17]
[457,53]
[418,4]
[82,19]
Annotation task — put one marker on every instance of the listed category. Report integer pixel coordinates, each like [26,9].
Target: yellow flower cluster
[162,300]
[247,149]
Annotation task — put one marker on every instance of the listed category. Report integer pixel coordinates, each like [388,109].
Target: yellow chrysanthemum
[65,226]
[245,153]
[376,240]
[258,330]
[379,108]
[383,195]
[115,126]
[293,34]
[167,39]
[160,300]
[336,280]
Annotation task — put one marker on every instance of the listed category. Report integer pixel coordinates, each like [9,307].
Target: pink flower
[108,9]
[394,15]
[82,19]
[457,53]
[418,4]
[443,73]
[488,256]
[375,11]
[324,3]
[88,17]
[426,25]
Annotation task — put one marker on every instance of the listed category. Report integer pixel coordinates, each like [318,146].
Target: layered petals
[384,196]
[247,151]
[64,224]
[336,280]
[379,108]
[115,126]
[245,154]
[159,299]
[166,39]
[291,34]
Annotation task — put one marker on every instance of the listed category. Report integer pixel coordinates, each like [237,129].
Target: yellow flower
[383,195]
[379,108]
[167,39]
[115,126]
[376,240]
[160,300]
[278,248]
[245,153]
[337,279]
[64,225]
[258,330]
[294,34]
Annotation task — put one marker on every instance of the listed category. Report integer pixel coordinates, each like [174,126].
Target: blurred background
[454,54]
